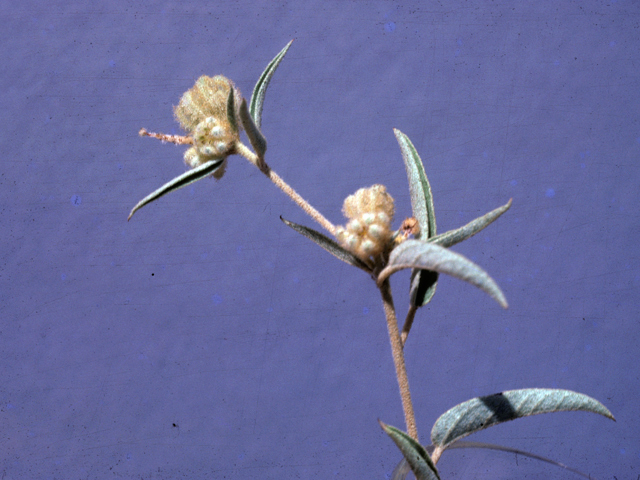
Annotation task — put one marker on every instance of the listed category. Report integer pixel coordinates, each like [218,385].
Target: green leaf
[524,453]
[452,237]
[180,181]
[258,142]
[423,283]
[231,109]
[418,458]
[423,286]
[401,470]
[329,245]
[427,256]
[419,188]
[259,91]
[482,412]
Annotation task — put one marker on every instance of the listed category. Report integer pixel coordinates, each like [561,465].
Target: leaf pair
[425,260]
[483,412]
[428,255]
[251,118]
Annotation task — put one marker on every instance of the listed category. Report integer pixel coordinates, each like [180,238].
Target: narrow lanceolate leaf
[524,453]
[427,256]
[452,237]
[258,142]
[329,245]
[415,454]
[259,91]
[423,283]
[419,188]
[231,109]
[180,181]
[482,412]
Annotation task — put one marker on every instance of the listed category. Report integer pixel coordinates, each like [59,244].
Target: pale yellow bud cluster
[370,211]
[202,112]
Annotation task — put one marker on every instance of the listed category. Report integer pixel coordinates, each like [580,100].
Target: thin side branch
[285,187]
[398,359]
[177,139]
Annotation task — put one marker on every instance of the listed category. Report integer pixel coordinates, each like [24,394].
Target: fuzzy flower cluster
[368,232]
[202,112]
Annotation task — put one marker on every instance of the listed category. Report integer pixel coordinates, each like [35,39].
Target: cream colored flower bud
[370,211]
[355,226]
[374,200]
[207,98]
[377,231]
[202,111]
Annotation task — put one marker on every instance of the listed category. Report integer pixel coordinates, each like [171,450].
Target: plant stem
[398,359]
[435,455]
[285,187]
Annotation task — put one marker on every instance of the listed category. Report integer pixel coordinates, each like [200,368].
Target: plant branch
[285,187]
[398,359]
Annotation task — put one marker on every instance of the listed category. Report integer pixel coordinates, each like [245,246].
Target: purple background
[205,339]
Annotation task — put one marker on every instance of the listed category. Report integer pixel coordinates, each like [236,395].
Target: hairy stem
[285,187]
[398,359]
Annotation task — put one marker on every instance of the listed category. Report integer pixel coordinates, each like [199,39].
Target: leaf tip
[503,302]
[134,210]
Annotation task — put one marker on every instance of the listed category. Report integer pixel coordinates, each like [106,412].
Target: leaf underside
[415,454]
[452,237]
[329,245]
[427,256]
[259,91]
[402,468]
[187,178]
[258,142]
[483,412]
[423,283]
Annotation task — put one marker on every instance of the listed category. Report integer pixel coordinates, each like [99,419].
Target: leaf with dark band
[329,245]
[258,142]
[415,454]
[180,181]
[482,412]
[231,109]
[259,91]
[423,283]
[427,256]
[452,237]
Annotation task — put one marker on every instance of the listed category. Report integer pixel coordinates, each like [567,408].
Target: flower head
[370,211]
[203,111]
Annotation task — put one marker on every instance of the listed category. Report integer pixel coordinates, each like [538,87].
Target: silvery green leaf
[329,245]
[482,412]
[231,109]
[419,188]
[427,256]
[452,237]
[418,458]
[259,91]
[423,283]
[180,181]
[500,448]
[258,142]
